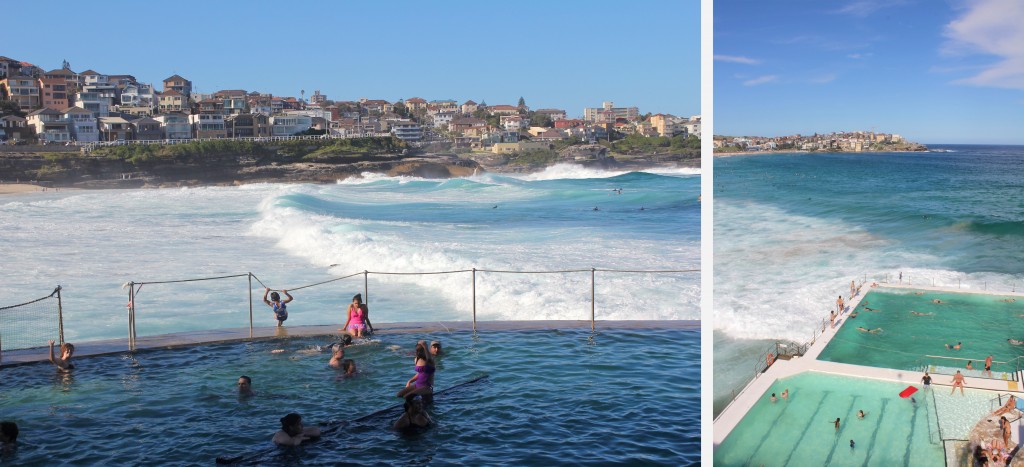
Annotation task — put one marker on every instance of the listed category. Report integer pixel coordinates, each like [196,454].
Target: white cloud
[736,59]
[860,56]
[991,27]
[761,80]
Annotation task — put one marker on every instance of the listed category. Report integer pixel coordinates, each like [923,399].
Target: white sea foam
[568,172]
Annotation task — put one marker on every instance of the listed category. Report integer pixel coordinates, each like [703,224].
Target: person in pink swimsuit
[358,318]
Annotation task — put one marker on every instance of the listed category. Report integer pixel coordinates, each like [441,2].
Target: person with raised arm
[279,306]
[66,351]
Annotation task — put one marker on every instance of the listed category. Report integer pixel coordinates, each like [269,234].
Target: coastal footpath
[306,161]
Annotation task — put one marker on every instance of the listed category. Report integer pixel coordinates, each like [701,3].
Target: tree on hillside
[543,120]
[10,108]
[480,113]
[522,102]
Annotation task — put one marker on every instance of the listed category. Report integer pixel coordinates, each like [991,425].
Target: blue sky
[933,71]
[564,55]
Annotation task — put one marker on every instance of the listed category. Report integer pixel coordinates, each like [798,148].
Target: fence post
[131,314]
[474,300]
[60,316]
[366,290]
[250,305]
[593,300]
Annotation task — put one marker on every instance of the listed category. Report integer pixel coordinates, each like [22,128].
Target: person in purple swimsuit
[422,383]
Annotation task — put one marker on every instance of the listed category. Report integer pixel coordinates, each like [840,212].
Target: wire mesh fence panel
[31,324]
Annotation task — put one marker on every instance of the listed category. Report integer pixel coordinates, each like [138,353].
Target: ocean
[292,235]
[792,231]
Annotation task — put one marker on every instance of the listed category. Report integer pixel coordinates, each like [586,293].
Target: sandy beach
[16,188]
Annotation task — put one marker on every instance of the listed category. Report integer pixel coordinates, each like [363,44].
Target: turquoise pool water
[551,397]
[911,342]
[801,432]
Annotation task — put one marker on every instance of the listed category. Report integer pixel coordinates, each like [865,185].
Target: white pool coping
[734,412]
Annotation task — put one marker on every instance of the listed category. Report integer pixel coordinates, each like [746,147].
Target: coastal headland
[307,161]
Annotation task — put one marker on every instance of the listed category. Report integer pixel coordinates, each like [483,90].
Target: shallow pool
[801,431]
[983,323]
[551,397]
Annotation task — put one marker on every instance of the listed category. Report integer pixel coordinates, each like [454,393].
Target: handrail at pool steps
[13,337]
[134,287]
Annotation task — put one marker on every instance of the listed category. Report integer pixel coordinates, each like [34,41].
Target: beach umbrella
[908,391]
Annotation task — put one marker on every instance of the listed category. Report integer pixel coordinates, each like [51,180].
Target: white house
[82,124]
[50,125]
[288,125]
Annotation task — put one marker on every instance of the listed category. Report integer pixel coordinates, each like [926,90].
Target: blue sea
[792,231]
[292,235]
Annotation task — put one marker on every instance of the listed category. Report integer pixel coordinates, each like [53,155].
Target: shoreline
[432,166]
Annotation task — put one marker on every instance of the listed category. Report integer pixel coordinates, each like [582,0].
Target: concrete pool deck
[164,341]
[744,401]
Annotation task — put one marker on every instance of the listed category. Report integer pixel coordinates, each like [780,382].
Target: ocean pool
[801,431]
[550,397]
[983,323]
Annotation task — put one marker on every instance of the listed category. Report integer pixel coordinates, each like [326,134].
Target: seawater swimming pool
[800,431]
[551,397]
[983,323]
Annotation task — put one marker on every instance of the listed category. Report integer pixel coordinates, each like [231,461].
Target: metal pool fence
[244,297]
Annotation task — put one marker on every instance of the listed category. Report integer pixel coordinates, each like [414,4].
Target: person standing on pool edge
[988,366]
[280,307]
[839,304]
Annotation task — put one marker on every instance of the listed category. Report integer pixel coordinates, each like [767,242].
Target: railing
[134,288]
[961,281]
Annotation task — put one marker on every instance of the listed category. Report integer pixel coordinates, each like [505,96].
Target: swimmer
[64,362]
[279,306]
[8,433]
[918,313]
[349,366]
[872,331]
[293,433]
[785,394]
[918,293]
[958,380]
[860,414]
[414,416]
[854,314]
[1008,300]
[435,348]
[837,424]
[422,383]
[1015,342]
[954,347]
[936,300]
[969,367]
[875,310]
[336,357]
[852,444]
[245,386]
[773,398]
